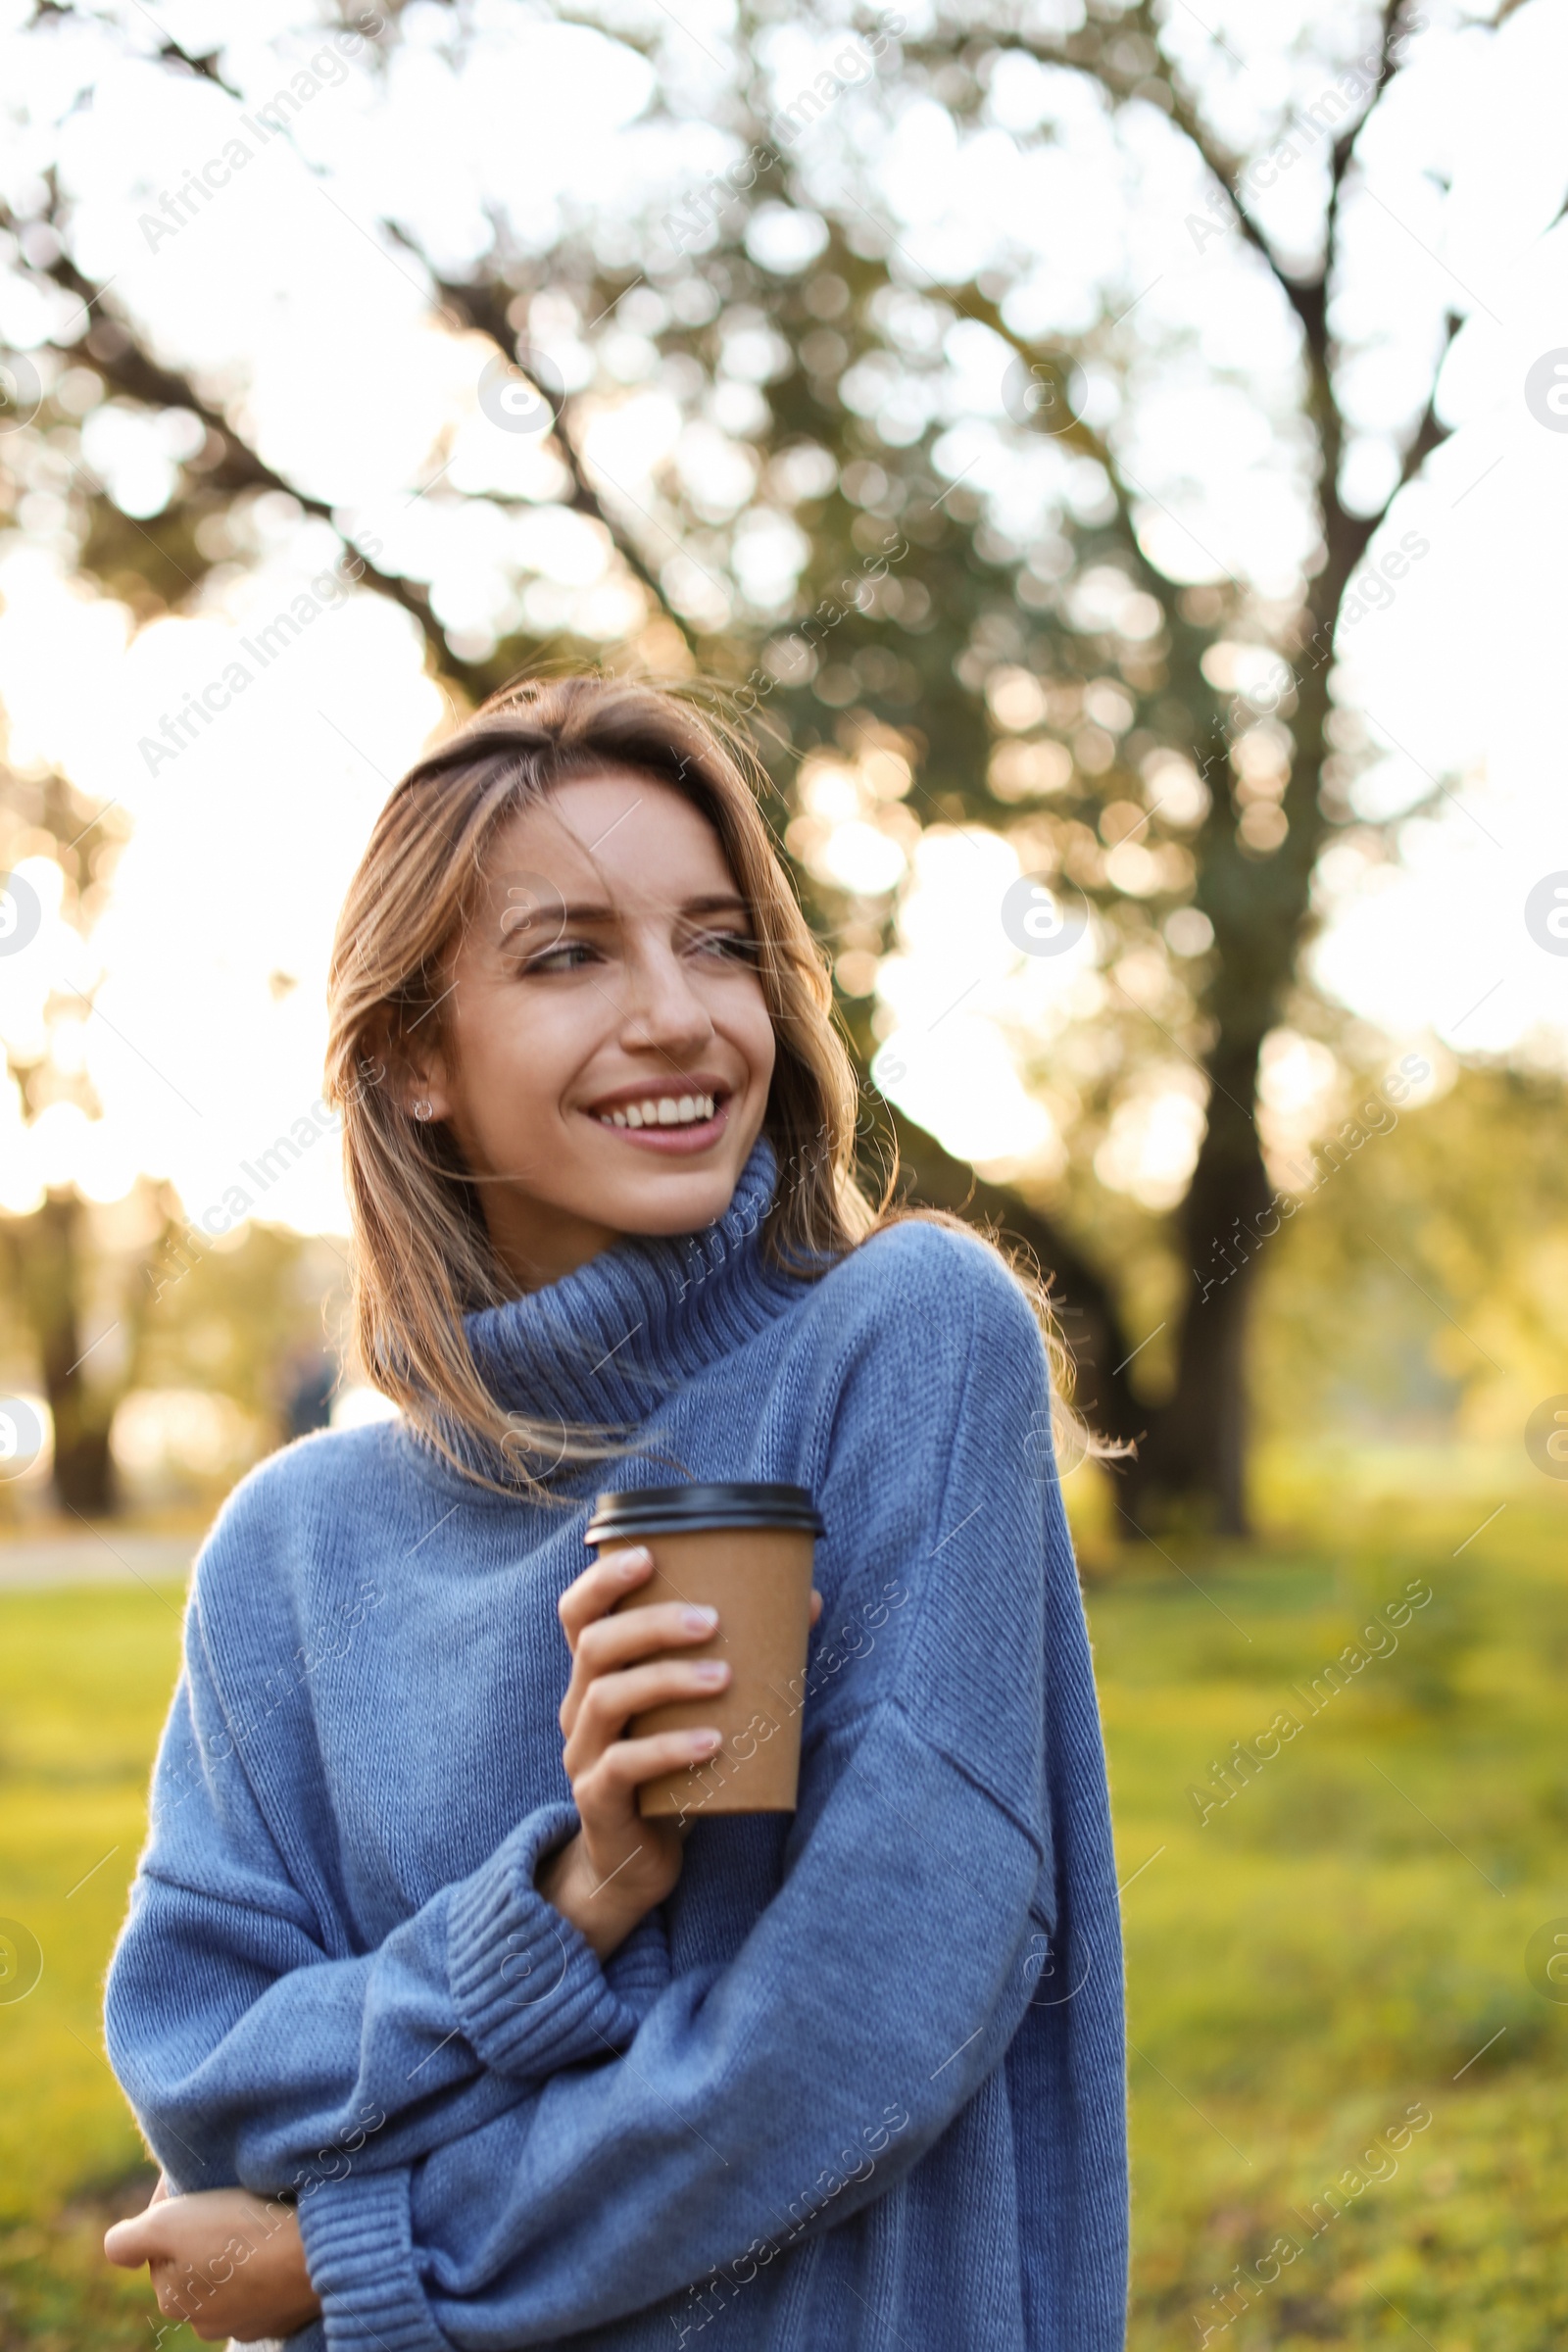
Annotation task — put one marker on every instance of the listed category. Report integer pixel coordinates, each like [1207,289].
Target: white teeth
[669,1110]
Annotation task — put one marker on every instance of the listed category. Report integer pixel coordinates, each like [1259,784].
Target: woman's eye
[734,946]
[568,956]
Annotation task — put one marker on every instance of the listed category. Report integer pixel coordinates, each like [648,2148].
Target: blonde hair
[423,1259]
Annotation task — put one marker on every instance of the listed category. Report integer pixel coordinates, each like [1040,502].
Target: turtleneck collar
[605,1345]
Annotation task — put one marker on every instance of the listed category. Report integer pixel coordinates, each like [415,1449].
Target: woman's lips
[699,1136]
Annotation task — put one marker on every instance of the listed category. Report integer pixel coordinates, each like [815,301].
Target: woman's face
[604,1049]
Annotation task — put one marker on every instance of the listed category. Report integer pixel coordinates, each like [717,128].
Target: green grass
[1337,1942]
[1330,1948]
[84,1683]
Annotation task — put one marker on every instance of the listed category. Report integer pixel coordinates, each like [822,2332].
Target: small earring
[422,1108]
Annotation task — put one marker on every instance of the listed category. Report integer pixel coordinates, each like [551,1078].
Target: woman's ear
[417,1074]
[422,1089]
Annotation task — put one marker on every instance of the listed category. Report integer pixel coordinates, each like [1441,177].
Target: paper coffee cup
[744,1550]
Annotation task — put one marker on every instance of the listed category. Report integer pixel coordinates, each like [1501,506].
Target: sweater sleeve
[257,2047]
[883,1983]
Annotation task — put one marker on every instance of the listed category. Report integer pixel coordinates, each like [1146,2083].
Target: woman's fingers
[611,1700]
[612,1644]
[611,1784]
[616,1641]
[626,1661]
[593,1595]
[133,2242]
[232,2263]
[596,1592]
[604,1645]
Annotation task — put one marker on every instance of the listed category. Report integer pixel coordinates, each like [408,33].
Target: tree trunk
[1260,907]
[1192,1451]
[49,1260]
[1197,1449]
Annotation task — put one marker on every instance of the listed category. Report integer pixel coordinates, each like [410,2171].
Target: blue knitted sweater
[858,2083]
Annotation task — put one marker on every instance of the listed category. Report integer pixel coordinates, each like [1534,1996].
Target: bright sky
[207,1042]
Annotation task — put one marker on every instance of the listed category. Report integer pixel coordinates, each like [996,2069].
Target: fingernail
[631,1561]
[703,1744]
[712,1672]
[700,1620]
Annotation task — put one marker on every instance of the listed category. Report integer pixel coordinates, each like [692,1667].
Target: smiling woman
[630,1009]
[401,1902]
[567,925]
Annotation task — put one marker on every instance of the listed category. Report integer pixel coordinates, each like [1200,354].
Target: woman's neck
[535,1243]
[607,1342]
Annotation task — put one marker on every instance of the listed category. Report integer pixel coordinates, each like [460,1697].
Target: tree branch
[1307,297]
[131,370]
[138,377]
[1076,56]
[1431,432]
[1344,147]
[135,374]
[482,306]
[1348,535]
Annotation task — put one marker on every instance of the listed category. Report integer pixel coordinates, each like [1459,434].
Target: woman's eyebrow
[589,910]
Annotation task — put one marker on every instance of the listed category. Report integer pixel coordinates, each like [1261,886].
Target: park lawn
[1340,1945]
[1335,1944]
[85,1677]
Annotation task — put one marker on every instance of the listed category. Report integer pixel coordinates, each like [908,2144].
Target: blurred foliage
[256,1319]
[918,648]
[240,1314]
[1426,1282]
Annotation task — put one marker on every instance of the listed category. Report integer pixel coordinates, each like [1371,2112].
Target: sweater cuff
[638,1971]
[360,2255]
[527,1988]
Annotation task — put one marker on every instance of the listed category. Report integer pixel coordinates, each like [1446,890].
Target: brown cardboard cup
[744,1550]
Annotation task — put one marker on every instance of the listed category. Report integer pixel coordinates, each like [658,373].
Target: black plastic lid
[661,1510]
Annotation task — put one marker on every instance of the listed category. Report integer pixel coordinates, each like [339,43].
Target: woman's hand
[231,2263]
[619,1866]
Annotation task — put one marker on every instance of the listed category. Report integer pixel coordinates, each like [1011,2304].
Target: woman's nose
[662,1008]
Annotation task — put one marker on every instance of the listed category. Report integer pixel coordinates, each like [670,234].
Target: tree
[112,1302]
[922,651]
[48,1257]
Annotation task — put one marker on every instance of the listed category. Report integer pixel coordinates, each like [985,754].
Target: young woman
[437,2042]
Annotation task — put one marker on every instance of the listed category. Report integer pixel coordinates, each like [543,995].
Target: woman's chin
[660,1180]
[658,1192]
[685,1200]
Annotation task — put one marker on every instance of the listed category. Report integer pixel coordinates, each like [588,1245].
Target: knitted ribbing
[611,1341]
